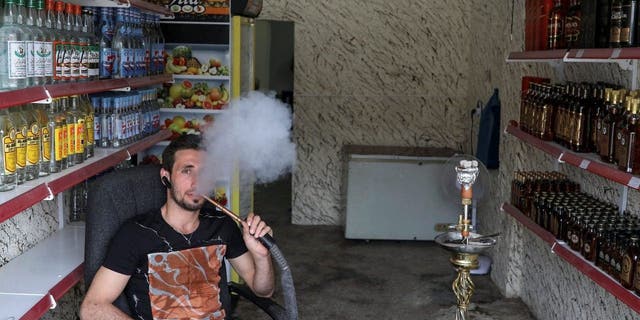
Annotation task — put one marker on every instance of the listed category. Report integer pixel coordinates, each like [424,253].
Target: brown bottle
[556,26]
[620,143]
[546,114]
[615,24]
[606,137]
[573,24]
[597,113]
[628,161]
[629,263]
[628,23]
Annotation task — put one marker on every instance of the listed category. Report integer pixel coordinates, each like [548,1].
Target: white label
[46,52]
[584,163]
[39,66]
[31,59]
[17,59]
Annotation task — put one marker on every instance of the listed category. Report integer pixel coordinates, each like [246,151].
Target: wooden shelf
[586,161]
[32,192]
[575,259]
[41,93]
[576,55]
[45,272]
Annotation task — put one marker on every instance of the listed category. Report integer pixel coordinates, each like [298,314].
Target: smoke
[252,133]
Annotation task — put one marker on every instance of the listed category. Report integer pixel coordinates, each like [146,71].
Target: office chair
[120,195]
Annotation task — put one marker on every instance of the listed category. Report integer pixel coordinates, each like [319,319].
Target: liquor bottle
[13,49]
[573,24]
[82,47]
[158,47]
[21,143]
[73,47]
[120,47]
[62,142]
[588,25]
[605,138]
[556,26]
[71,133]
[33,143]
[40,112]
[43,48]
[35,61]
[615,24]
[7,152]
[603,27]
[107,55]
[89,124]
[629,262]
[62,42]
[76,114]
[597,106]
[93,45]
[583,128]
[629,22]
[56,127]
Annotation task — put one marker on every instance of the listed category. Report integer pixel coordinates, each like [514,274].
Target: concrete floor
[336,278]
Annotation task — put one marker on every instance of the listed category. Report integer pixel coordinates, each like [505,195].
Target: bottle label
[17,52]
[47,53]
[97,128]
[141,67]
[9,148]
[21,148]
[79,137]
[76,55]
[89,127]
[84,61]
[40,61]
[66,60]
[58,59]
[71,138]
[45,141]
[94,61]
[33,144]
[31,59]
[59,143]
[106,62]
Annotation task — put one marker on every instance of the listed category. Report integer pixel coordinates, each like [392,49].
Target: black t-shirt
[173,275]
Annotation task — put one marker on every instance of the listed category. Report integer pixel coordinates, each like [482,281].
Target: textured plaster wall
[373,73]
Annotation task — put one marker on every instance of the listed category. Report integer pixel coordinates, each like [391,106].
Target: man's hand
[252,229]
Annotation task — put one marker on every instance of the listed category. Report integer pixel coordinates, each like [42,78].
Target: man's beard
[184,205]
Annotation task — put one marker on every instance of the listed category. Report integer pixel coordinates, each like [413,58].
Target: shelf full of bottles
[585,231]
[590,126]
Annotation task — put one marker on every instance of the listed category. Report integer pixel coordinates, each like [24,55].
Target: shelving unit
[18,97]
[586,161]
[575,259]
[32,192]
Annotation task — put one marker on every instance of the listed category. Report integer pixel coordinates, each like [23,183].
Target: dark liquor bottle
[588,24]
[541,26]
[620,149]
[583,114]
[605,137]
[615,23]
[597,109]
[603,16]
[556,26]
[629,21]
[573,24]
[629,263]
[633,129]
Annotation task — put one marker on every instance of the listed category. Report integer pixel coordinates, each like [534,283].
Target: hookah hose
[286,279]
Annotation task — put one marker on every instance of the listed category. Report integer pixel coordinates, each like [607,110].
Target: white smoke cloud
[254,133]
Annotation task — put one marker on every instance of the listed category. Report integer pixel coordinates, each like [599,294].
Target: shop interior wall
[524,265]
[370,73]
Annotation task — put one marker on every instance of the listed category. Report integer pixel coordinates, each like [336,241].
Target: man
[169,262]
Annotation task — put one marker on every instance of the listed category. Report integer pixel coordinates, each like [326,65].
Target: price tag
[584,164]
[616,53]
[580,53]
[634,182]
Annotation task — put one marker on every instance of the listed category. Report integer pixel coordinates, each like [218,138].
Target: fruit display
[182,61]
[179,125]
[186,95]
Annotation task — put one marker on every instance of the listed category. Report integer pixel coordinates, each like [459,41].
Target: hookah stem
[266,240]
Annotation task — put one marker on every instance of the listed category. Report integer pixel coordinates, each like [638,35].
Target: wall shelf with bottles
[32,94]
[576,55]
[42,284]
[574,258]
[140,4]
[31,192]
[586,161]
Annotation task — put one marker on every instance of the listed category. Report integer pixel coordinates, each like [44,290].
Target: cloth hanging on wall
[489,133]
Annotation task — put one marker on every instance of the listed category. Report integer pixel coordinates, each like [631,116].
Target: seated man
[169,262]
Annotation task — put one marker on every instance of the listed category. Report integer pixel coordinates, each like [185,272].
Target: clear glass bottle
[77,116]
[107,55]
[40,111]
[33,143]
[93,45]
[7,152]
[89,124]
[74,43]
[62,58]
[13,49]
[44,47]
[21,143]
[120,47]
[56,126]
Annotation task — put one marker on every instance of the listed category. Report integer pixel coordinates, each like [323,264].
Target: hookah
[464,244]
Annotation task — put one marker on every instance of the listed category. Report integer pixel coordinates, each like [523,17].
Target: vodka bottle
[120,47]
[7,152]
[13,49]
[40,111]
[118,124]
[89,125]
[107,55]
[20,142]
[44,48]
[77,116]
[83,43]
[141,45]
[74,46]
[33,143]
[62,52]
[70,141]
[108,122]
[96,105]
[158,47]
[56,126]
[147,34]
[62,138]
[93,46]
[35,74]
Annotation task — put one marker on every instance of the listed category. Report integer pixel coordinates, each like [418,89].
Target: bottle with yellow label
[7,152]
[21,143]
[89,124]
[55,127]
[33,143]
[44,154]
[76,122]
[62,144]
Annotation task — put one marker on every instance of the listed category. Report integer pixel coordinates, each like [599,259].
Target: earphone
[166,182]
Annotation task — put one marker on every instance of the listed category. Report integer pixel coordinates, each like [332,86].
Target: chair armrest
[270,307]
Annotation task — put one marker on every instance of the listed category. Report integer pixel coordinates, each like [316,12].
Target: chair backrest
[113,199]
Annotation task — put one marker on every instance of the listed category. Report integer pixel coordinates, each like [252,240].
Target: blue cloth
[489,133]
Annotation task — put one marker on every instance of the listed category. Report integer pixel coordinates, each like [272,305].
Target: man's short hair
[183,142]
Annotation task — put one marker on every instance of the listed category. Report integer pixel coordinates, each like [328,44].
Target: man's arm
[255,266]
[107,285]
